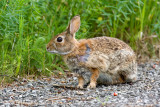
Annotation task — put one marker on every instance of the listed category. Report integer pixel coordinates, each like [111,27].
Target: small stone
[34,83]
[102,94]
[79,92]
[7,104]
[52,90]
[1,104]
[46,83]
[75,78]
[5,98]
[40,82]
[20,96]
[34,91]
[24,80]
[154,66]
[131,93]
[29,85]
[4,90]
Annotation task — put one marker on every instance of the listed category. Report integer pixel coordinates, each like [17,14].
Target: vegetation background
[26,26]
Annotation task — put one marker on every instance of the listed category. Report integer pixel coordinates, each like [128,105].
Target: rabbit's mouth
[61,53]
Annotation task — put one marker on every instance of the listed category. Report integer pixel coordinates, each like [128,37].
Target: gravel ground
[145,92]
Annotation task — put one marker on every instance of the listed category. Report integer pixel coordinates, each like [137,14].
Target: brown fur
[104,60]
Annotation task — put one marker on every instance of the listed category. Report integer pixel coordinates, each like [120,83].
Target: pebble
[103,94]
[79,92]
[145,92]
[29,85]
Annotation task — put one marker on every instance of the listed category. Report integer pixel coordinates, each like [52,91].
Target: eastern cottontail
[104,60]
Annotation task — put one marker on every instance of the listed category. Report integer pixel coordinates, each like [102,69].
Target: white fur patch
[61,53]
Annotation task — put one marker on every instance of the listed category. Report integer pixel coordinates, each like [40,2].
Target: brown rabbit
[104,60]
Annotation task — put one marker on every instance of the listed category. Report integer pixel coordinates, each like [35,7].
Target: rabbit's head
[65,42]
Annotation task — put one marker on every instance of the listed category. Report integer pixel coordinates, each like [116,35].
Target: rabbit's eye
[59,39]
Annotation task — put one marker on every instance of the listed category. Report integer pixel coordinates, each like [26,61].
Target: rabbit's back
[108,45]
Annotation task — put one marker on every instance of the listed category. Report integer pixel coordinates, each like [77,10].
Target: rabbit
[99,60]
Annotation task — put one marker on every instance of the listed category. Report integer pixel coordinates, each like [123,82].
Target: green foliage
[26,26]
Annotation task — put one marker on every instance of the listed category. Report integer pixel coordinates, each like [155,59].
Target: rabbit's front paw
[92,85]
[80,86]
[80,82]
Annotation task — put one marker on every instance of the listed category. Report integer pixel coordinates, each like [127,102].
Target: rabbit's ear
[74,25]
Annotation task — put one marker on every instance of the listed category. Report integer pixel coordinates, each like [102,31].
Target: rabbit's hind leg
[130,74]
[131,77]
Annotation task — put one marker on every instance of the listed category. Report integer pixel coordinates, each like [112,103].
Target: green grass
[26,26]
